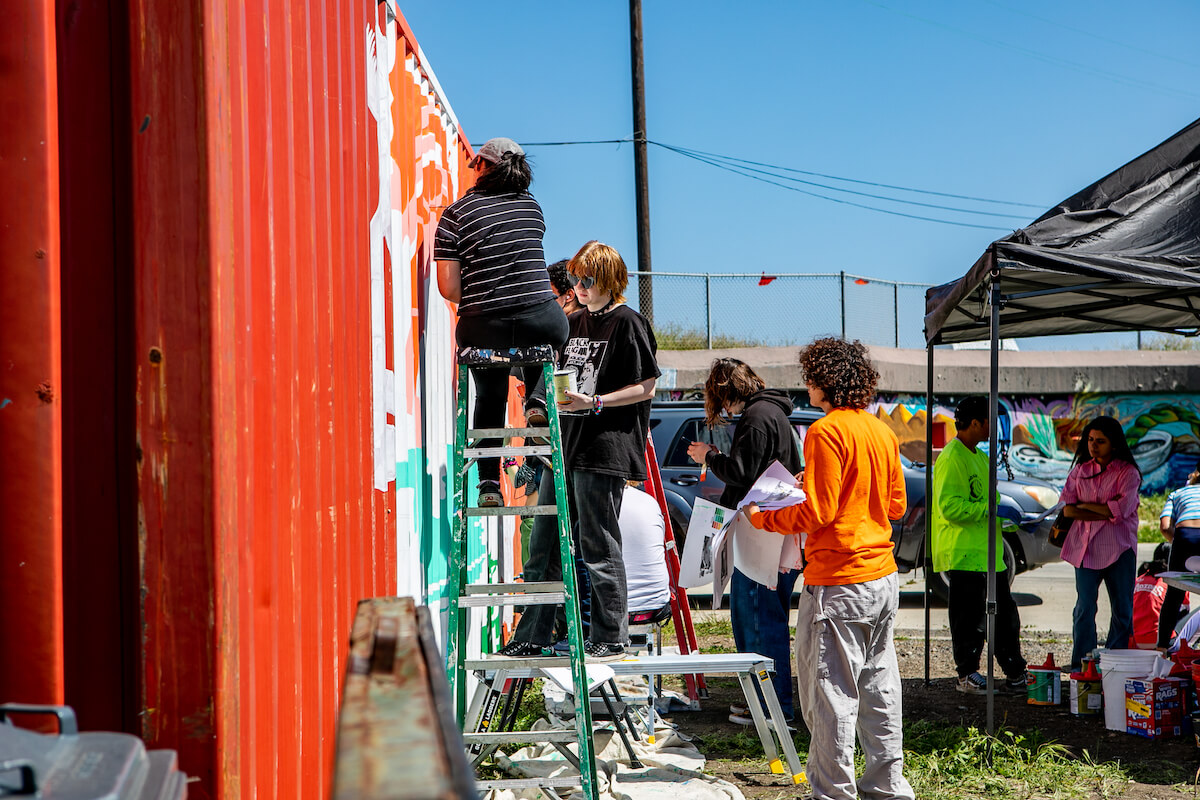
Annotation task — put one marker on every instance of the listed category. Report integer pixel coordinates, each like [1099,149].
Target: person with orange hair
[604,427]
[846,664]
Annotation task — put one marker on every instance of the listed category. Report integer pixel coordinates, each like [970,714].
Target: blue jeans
[1118,578]
[760,625]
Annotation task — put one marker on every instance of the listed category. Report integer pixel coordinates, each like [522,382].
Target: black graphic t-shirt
[609,351]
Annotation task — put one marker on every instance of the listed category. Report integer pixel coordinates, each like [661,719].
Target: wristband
[597,404]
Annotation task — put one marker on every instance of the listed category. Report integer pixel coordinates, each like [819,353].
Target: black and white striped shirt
[498,240]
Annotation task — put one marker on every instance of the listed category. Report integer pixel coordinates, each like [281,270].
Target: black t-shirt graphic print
[609,351]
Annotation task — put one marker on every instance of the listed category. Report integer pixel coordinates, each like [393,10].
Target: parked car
[1023,502]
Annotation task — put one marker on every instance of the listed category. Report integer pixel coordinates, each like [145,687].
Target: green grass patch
[945,762]
[954,762]
[673,336]
[1148,511]
[532,708]
[713,627]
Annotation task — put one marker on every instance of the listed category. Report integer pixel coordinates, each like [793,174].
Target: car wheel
[941,586]
[679,525]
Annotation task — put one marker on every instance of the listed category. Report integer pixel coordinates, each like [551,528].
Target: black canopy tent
[1121,255]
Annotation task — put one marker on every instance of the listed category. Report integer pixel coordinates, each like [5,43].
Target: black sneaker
[603,651]
[523,650]
[972,684]
[489,494]
[1016,685]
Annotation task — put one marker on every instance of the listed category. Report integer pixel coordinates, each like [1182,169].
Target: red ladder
[681,612]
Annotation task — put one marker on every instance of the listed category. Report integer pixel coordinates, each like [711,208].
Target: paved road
[1045,597]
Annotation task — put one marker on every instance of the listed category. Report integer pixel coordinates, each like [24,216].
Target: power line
[865,183]
[738,171]
[697,154]
[693,152]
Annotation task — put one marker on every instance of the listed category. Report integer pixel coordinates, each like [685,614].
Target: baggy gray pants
[849,681]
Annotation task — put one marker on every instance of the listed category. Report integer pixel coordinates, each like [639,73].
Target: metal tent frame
[1121,255]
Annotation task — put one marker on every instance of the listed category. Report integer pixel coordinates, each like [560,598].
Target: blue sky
[999,99]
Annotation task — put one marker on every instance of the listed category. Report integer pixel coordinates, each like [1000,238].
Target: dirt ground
[1163,769]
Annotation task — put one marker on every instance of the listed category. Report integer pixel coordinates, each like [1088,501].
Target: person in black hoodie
[763,434]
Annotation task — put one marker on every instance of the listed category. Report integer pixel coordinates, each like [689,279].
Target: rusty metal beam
[396,737]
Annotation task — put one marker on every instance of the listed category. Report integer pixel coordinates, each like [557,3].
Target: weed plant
[954,762]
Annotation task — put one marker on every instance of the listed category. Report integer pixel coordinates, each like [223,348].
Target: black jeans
[544,323]
[1168,616]
[967,607]
[594,502]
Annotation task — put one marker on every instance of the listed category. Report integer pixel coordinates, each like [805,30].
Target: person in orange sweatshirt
[846,665]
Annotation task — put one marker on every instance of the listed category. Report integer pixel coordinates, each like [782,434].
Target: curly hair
[729,381]
[842,370]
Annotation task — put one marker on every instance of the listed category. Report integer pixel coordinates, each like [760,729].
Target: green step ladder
[546,444]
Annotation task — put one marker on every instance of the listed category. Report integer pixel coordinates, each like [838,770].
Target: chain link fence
[694,310]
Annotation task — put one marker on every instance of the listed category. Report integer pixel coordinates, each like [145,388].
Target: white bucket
[1116,666]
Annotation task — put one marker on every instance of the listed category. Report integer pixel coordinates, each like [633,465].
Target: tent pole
[993,452]
[928,496]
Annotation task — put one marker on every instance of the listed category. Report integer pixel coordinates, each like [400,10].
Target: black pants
[544,323]
[1181,551]
[594,502]
[967,606]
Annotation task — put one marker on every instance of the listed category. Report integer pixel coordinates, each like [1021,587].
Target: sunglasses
[575,280]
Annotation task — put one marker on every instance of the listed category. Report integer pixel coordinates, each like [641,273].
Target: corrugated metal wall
[31,611]
[277,173]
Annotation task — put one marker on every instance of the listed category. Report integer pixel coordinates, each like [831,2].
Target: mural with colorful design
[424,170]
[1163,431]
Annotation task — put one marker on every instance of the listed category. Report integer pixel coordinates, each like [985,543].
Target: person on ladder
[604,427]
[490,261]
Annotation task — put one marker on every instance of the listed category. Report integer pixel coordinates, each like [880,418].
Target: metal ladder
[546,445]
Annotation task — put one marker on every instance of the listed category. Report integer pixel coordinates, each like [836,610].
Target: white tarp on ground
[673,769]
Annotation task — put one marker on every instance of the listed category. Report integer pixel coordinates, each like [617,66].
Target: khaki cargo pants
[849,682]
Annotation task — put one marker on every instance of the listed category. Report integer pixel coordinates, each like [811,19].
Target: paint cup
[1043,684]
[564,381]
[1087,691]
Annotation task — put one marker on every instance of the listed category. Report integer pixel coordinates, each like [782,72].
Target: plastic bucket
[1116,666]
[1086,697]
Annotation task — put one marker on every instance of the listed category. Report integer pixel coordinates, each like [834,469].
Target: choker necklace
[612,301]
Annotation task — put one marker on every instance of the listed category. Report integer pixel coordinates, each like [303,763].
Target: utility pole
[640,170]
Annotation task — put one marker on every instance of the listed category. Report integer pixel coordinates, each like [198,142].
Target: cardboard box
[1155,707]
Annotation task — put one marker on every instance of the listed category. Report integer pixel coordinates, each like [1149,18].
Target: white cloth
[643,547]
[673,769]
[850,681]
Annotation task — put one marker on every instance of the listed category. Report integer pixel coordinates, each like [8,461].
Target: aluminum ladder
[547,445]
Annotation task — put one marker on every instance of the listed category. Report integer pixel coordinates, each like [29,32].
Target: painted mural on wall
[422,170]
[1163,431]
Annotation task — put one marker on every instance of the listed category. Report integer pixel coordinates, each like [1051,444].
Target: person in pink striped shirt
[1101,497]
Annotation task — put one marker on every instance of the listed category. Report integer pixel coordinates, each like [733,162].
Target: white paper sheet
[775,488]
[756,553]
[707,552]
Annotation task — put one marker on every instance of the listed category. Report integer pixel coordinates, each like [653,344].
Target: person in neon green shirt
[960,546]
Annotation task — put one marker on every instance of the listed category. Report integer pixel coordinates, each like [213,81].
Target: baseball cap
[495,149]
